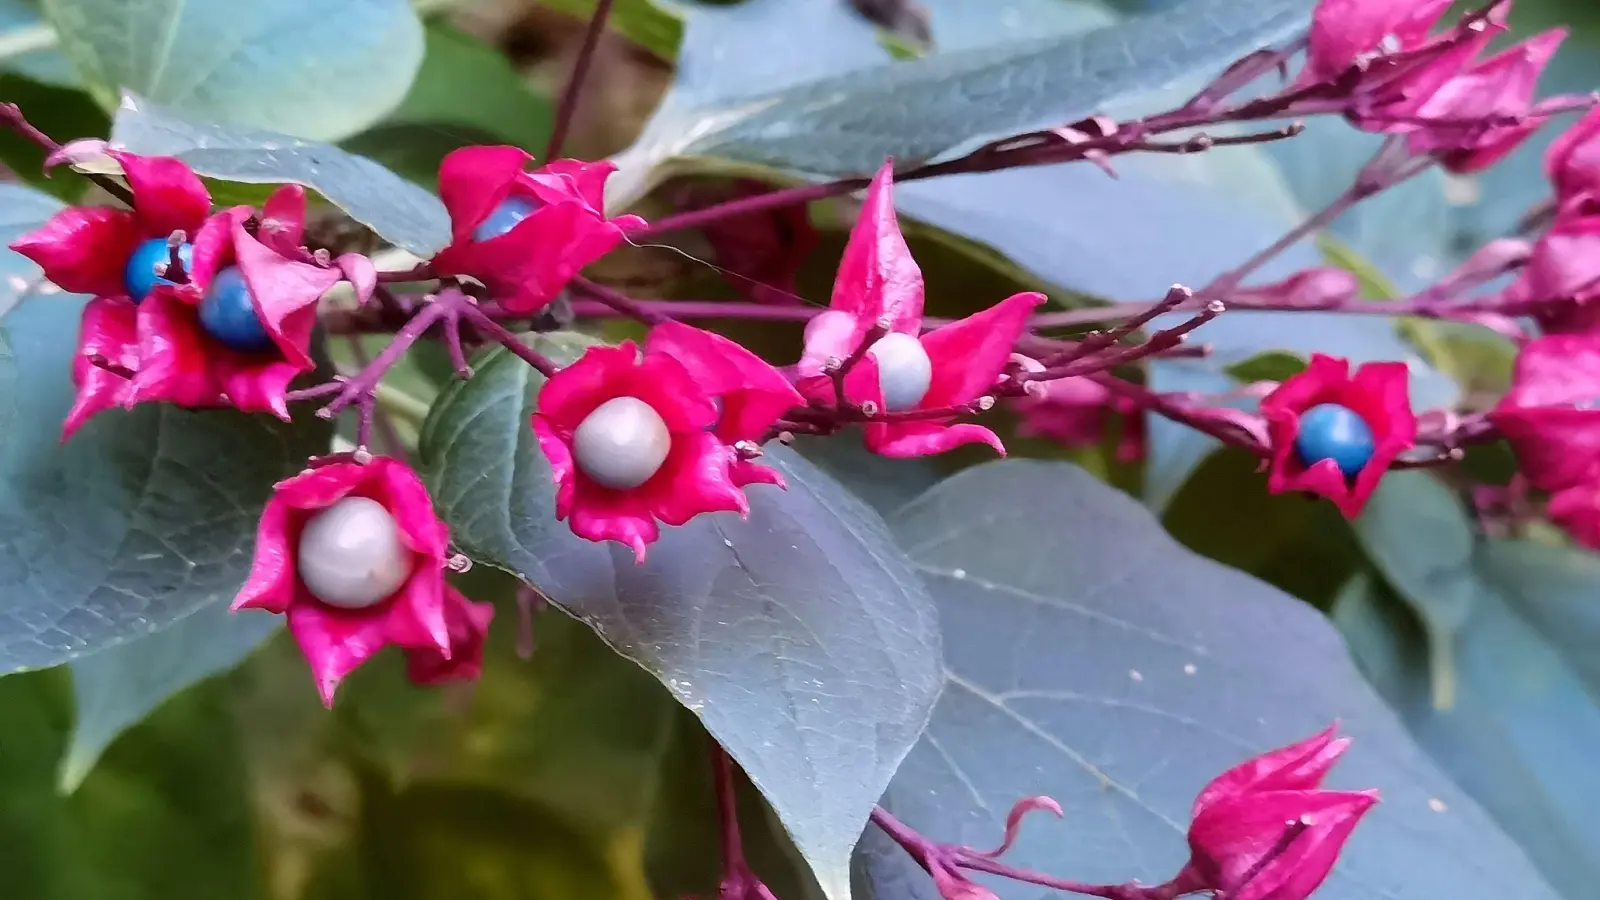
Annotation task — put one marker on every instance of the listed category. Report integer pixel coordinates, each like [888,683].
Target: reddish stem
[727,807]
[370,414]
[11,117]
[497,332]
[619,301]
[574,87]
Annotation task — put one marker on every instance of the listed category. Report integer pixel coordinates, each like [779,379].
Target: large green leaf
[399,211]
[800,636]
[143,517]
[1090,658]
[1491,667]
[466,92]
[653,26]
[27,45]
[167,815]
[301,67]
[431,840]
[117,687]
[62,112]
[849,123]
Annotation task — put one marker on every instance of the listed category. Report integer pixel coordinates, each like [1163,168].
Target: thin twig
[574,87]
[11,117]
[619,301]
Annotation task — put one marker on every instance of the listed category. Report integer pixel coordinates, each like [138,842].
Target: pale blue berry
[351,554]
[622,444]
[904,370]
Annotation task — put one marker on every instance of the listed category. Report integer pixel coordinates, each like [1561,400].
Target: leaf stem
[574,86]
[11,117]
[622,303]
[727,807]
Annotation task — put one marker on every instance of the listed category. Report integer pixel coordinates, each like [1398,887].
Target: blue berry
[139,275]
[1331,431]
[227,314]
[505,217]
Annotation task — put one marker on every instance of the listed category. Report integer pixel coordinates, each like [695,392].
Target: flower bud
[1263,831]
[1377,393]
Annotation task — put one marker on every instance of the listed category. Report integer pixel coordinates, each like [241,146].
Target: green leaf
[166,815]
[1090,658]
[466,93]
[961,25]
[468,83]
[1300,546]
[843,122]
[1416,532]
[396,209]
[28,46]
[62,112]
[116,688]
[1512,625]
[432,840]
[545,727]
[1520,734]
[650,25]
[799,637]
[302,67]
[143,517]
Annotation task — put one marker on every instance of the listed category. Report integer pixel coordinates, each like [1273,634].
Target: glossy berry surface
[1332,431]
[228,315]
[139,276]
[622,443]
[351,555]
[505,217]
[904,370]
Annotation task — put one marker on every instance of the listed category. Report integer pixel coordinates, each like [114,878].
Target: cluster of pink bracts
[1262,831]
[718,402]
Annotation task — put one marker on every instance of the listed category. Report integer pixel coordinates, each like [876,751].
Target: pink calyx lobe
[566,229]
[439,629]
[879,291]
[1377,392]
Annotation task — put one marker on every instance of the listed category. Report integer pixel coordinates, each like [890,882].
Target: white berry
[622,443]
[351,555]
[904,370]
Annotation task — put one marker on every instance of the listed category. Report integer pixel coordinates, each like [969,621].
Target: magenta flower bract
[1391,95]
[158,346]
[1378,393]
[425,616]
[1577,510]
[1502,85]
[527,266]
[181,363]
[695,476]
[1077,412]
[762,253]
[1565,262]
[1550,415]
[1264,831]
[85,249]
[467,623]
[1347,32]
[1573,160]
[878,283]
[751,395]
